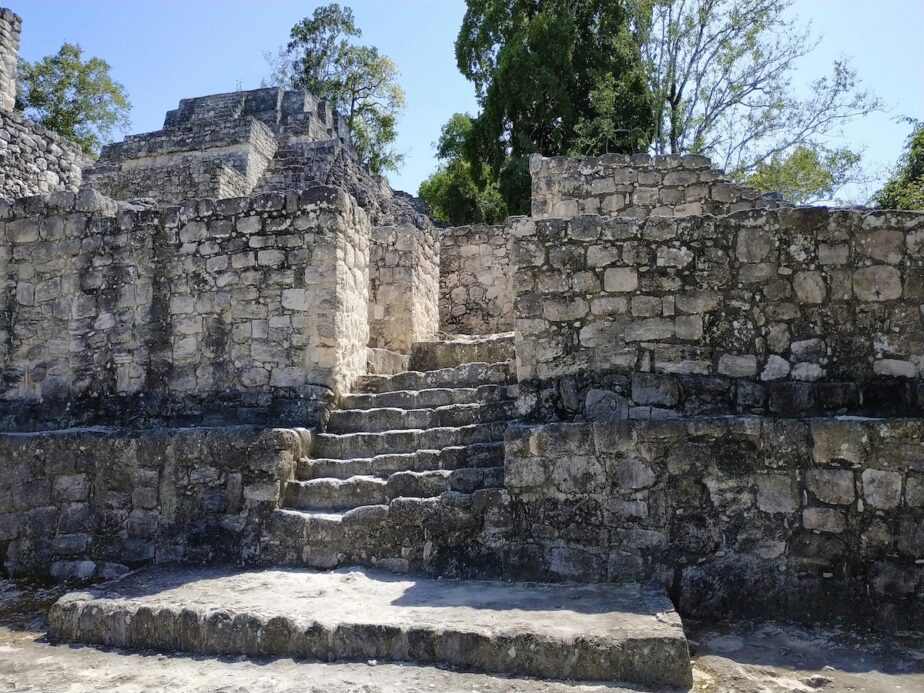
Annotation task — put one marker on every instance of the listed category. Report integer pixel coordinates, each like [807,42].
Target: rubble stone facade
[404,266]
[767,311]
[33,160]
[742,515]
[98,503]
[244,309]
[476,278]
[636,186]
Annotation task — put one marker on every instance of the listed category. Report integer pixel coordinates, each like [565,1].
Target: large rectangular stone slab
[625,632]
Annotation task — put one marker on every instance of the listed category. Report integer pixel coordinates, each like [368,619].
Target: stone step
[395,419]
[357,491]
[385,361]
[626,632]
[466,375]
[435,397]
[348,445]
[456,457]
[461,349]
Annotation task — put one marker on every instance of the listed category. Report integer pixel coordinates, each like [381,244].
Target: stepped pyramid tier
[243,143]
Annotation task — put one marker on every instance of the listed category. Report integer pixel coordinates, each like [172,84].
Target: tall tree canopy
[905,188]
[358,81]
[554,77]
[74,97]
[720,75]
[453,191]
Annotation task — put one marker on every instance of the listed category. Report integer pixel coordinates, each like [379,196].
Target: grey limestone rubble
[234,344]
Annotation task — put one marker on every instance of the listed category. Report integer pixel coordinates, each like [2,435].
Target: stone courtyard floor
[745,656]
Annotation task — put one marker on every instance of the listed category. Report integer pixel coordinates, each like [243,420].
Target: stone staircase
[290,169]
[396,481]
[393,480]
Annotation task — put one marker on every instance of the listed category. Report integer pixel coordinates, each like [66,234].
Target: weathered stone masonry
[91,503]
[237,310]
[404,266]
[10,30]
[33,160]
[476,278]
[636,186]
[780,311]
[736,515]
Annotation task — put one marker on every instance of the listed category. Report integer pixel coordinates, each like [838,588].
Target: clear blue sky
[164,50]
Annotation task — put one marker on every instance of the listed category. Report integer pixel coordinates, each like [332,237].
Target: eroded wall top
[636,186]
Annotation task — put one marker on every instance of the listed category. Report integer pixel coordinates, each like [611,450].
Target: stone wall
[735,515]
[10,29]
[782,311]
[240,310]
[33,159]
[168,165]
[636,186]
[97,503]
[193,179]
[476,278]
[404,264]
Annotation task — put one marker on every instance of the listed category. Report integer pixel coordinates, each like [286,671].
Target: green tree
[905,188]
[455,195]
[74,97]
[358,81]
[721,72]
[556,77]
[805,175]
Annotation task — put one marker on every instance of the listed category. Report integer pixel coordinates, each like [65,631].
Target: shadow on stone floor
[840,646]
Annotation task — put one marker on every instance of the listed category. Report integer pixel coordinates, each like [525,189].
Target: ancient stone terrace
[661,383]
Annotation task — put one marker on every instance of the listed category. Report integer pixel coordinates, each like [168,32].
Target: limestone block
[834,486]
[878,283]
[738,366]
[881,488]
[810,287]
[753,245]
[828,520]
[776,368]
[620,279]
[776,494]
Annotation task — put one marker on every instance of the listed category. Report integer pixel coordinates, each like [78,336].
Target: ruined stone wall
[476,278]
[193,179]
[735,515]
[33,159]
[10,29]
[186,163]
[36,161]
[404,264]
[783,311]
[636,186]
[245,309]
[91,503]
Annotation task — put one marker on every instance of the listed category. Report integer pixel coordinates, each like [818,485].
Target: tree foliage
[905,188]
[358,81]
[556,77]
[455,195]
[805,175]
[75,98]
[720,74]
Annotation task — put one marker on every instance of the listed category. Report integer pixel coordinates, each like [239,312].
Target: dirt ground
[745,657]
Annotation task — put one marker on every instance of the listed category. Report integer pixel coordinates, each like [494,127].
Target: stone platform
[626,632]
